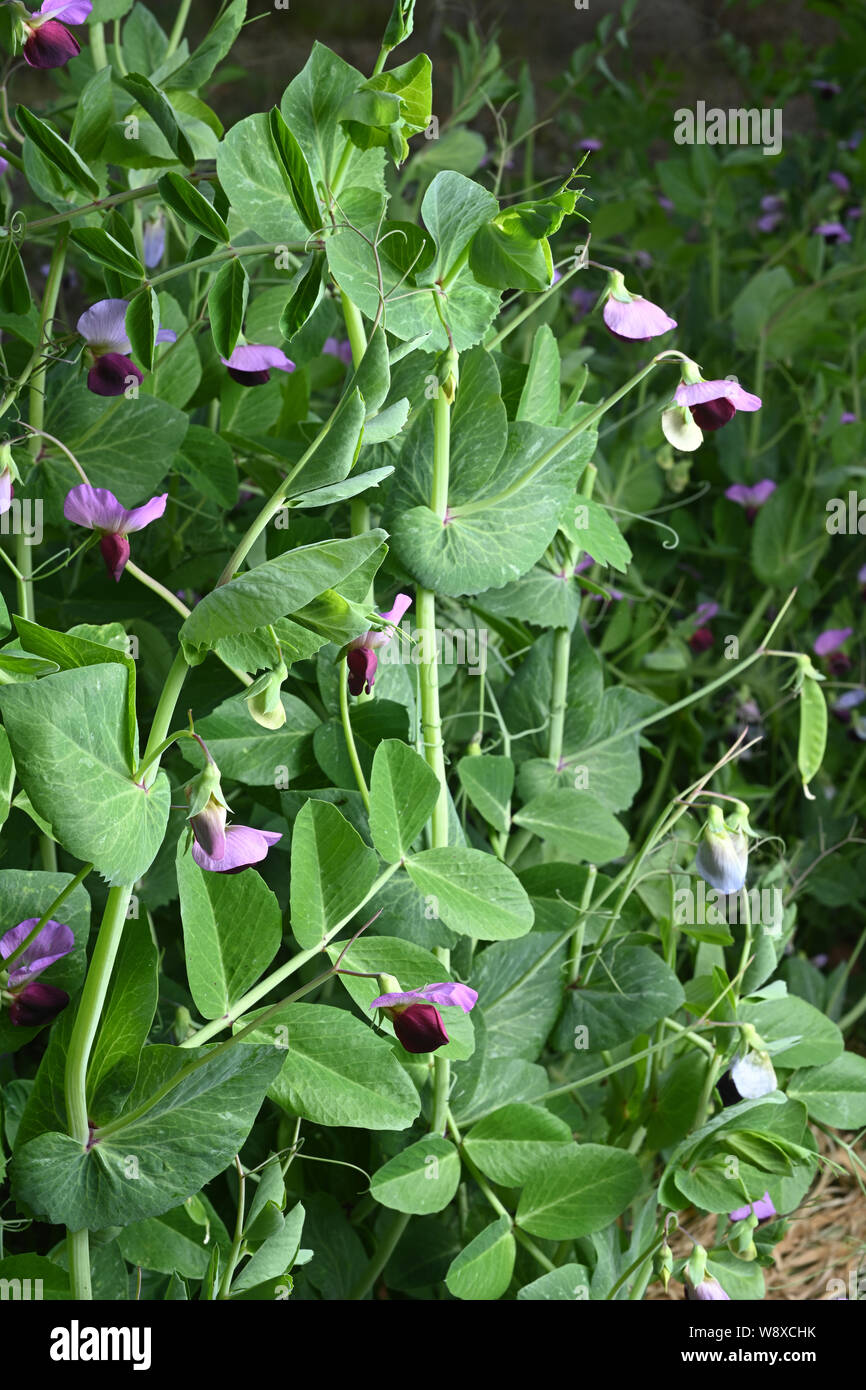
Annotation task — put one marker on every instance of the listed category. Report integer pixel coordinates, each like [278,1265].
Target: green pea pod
[813,731]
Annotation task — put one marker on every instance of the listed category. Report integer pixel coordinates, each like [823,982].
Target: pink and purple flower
[714,403]
[361,657]
[829,644]
[751,498]
[251,364]
[31,1002]
[413,1012]
[103,328]
[48,43]
[833,233]
[242,847]
[99,510]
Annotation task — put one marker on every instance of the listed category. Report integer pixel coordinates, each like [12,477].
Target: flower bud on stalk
[417,1022]
[207,810]
[723,853]
[263,698]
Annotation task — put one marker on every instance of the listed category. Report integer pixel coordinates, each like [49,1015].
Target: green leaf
[483,1270]
[36,1276]
[192,206]
[419,1180]
[574,822]
[539,399]
[578,1192]
[72,649]
[592,527]
[57,152]
[820,1040]
[232,928]
[174,1243]
[215,46]
[308,291]
[403,792]
[178,1144]
[337,1071]
[207,462]
[453,209]
[14,287]
[519,1012]
[125,1023]
[567,1283]
[274,590]
[70,739]
[159,108]
[227,304]
[334,450]
[275,1256]
[631,990]
[512,1143]
[310,107]
[834,1094]
[475,894]
[249,753]
[106,251]
[253,180]
[488,781]
[142,325]
[332,872]
[93,115]
[126,446]
[295,170]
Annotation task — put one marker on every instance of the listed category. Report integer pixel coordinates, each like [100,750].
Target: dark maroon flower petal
[701,640]
[838,663]
[50,46]
[362,663]
[249,378]
[711,415]
[420,1028]
[109,375]
[37,1004]
[115,553]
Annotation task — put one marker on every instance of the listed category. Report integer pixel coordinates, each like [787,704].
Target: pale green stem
[178,27]
[346,721]
[98,51]
[384,1251]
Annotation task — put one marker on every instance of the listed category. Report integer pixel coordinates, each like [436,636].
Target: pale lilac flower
[244,847]
[666,203]
[853,213]
[5,490]
[4,165]
[153,241]
[825,88]
[361,657]
[592,143]
[831,640]
[772,202]
[708,1290]
[251,364]
[751,498]
[840,180]
[768,221]
[340,348]
[833,233]
[49,43]
[763,1209]
[444,994]
[848,418]
[99,510]
[634,318]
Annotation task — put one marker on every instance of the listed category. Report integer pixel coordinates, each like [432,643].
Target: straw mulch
[826,1239]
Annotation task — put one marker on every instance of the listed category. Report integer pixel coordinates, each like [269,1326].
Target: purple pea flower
[5,490]
[667,204]
[840,180]
[714,403]
[4,165]
[826,89]
[32,1003]
[99,510]
[153,241]
[853,213]
[103,328]
[751,498]
[361,657]
[244,847]
[833,233]
[632,317]
[861,580]
[768,221]
[591,143]
[413,1012]
[829,644]
[251,363]
[340,348]
[763,1209]
[49,43]
[847,418]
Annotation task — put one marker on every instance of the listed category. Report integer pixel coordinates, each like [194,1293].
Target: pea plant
[389,899]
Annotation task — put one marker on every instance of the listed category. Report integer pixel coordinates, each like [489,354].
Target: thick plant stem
[78,1056]
[98,51]
[36,411]
[96,987]
[428,676]
[346,720]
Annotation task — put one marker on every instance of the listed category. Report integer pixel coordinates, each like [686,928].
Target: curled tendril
[650,517]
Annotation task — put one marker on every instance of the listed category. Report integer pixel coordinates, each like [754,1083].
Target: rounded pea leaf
[420,1180]
[834,1094]
[332,872]
[512,1143]
[483,1270]
[579,1192]
[474,893]
[403,792]
[567,1283]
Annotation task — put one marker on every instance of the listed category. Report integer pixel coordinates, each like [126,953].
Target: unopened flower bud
[722,857]
[263,699]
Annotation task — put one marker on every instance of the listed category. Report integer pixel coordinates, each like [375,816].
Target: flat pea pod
[813,731]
